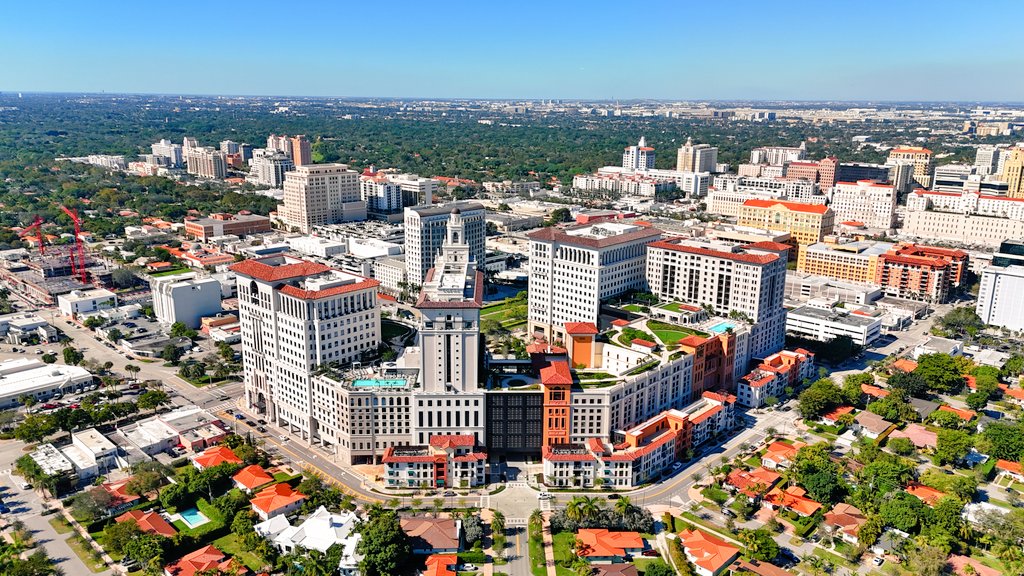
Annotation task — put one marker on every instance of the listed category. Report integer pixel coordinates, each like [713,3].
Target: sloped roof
[276,497]
[601,542]
[580,328]
[433,533]
[926,494]
[452,440]
[709,552]
[149,522]
[747,482]
[215,456]
[848,518]
[206,558]
[252,476]
[794,499]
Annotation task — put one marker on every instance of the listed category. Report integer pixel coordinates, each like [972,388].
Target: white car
[877,560]
[468,567]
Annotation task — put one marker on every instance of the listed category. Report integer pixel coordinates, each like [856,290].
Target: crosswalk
[546,505]
[510,522]
[222,406]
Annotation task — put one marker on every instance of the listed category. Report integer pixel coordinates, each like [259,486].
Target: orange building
[713,359]
[580,344]
[556,382]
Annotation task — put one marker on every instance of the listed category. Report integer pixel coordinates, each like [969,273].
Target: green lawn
[85,554]
[537,561]
[632,308]
[60,525]
[231,546]
[171,272]
[671,307]
[563,544]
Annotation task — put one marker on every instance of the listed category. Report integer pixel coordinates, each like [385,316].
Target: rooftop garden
[671,333]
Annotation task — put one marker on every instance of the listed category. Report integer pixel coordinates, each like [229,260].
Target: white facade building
[168,150]
[425,233]
[866,201]
[320,194]
[825,324]
[696,157]
[206,162]
[778,155]
[999,298]
[967,229]
[270,169]
[380,194]
[573,270]
[31,377]
[185,299]
[85,301]
[639,157]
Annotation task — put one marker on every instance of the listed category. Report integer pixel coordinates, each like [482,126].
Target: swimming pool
[193,517]
[721,327]
[371,383]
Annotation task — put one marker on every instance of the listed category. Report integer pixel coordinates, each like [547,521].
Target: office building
[1013,172]
[778,155]
[806,223]
[1002,284]
[425,232]
[320,194]
[31,377]
[229,147]
[269,169]
[206,162]
[302,152]
[573,270]
[169,150]
[382,196]
[696,157]
[448,461]
[79,302]
[920,158]
[627,183]
[282,144]
[185,298]
[822,172]
[824,325]
[964,229]
[867,202]
[639,157]
[415,190]
[987,160]
[296,316]
[223,224]
[731,280]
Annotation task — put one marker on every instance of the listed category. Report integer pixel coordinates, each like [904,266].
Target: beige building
[920,158]
[806,223]
[206,162]
[696,157]
[1013,172]
[868,202]
[964,229]
[320,194]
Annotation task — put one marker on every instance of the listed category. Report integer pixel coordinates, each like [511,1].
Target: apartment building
[822,172]
[1013,171]
[806,223]
[731,280]
[297,316]
[920,158]
[185,298]
[426,230]
[1002,283]
[270,169]
[696,157]
[572,270]
[786,368]
[169,150]
[639,157]
[968,201]
[382,196]
[320,194]
[964,229]
[448,461]
[778,155]
[223,224]
[867,202]
[206,162]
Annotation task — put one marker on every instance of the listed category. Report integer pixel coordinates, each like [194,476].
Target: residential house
[793,499]
[845,521]
[753,483]
[441,565]
[965,415]
[833,417]
[149,522]
[615,570]
[965,566]
[215,456]
[710,555]
[277,500]
[433,535]
[319,531]
[779,455]
[873,392]
[904,365]
[757,568]
[924,408]
[206,559]
[977,513]
[872,425]
[251,477]
[603,546]
[919,436]
[890,541]
[120,499]
[1011,469]
[930,496]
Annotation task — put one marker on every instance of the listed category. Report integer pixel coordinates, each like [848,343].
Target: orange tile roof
[794,499]
[709,552]
[779,451]
[276,497]
[791,206]
[920,436]
[747,258]
[847,518]
[118,495]
[620,322]
[874,391]
[905,365]
[768,245]
[1008,466]
[581,328]
[967,415]
[754,482]
[837,412]
[452,440]
[600,542]
[216,455]
[644,343]
[149,522]
[252,476]
[926,494]
[206,558]
[268,273]
[548,453]
[440,565]
[556,372]
[960,564]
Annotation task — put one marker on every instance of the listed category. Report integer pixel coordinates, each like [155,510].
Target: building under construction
[43,277]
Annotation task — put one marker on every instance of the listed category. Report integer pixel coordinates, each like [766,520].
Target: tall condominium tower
[696,157]
[425,228]
[639,157]
[320,194]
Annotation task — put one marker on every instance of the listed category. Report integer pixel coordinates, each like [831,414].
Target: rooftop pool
[372,383]
[721,327]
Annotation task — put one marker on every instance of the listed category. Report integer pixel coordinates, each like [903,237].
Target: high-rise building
[185,298]
[320,194]
[282,144]
[1002,283]
[920,158]
[868,202]
[270,169]
[382,196]
[986,159]
[778,155]
[297,316]
[206,162]
[696,157]
[451,400]
[425,232]
[302,152]
[1013,172]
[229,147]
[729,279]
[415,190]
[573,270]
[169,150]
[639,157]
[806,223]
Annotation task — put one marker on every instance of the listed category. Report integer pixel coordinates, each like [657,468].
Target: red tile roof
[791,206]
[600,542]
[556,372]
[967,415]
[1008,466]
[768,245]
[297,292]
[794,499]
[207,558]
[580,328]
[566,456]
[267,273]
[441,565]
[960,564]
[754,482]
[452,440]
[744,257]
[709,552]
[837,412]
[252,477]
[149,522]
[644,343]
[905,365]
[216,455]
[874,391]
[920,436]
[118,496]
[847,518]
[780,451]
[926,494]
[276,497]
[620,322]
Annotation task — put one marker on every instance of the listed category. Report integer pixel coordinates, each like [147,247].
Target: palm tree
[574,509]
[438,506]
[536,517]
[623,505]
[498,522]
[133,370]
[393,503]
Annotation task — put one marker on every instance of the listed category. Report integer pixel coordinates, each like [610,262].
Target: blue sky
[827,49]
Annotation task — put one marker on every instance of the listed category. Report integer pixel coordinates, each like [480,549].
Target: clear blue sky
[826,49]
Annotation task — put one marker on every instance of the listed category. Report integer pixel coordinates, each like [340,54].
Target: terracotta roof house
[710,555]
[753,483]
[873,391]
[965,415]
[832,417]
[872,425]
[918,435]
[441,565]
[615,570]
[846,520]
[276,500]
[251,477]
[792,498]
[149,522]
[600,545]
[1011,469]
[204,559]
[215,456]
[433,535]
[904,365]
[120,500]
[925,494]
[779,454]
[960,567]
[743,567]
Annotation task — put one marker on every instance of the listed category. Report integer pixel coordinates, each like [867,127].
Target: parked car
[468,568]
[449,493]
[877,560]
[652,553]
[677,465]
[239,417]
[728,512]
[261,429]
[613,496]
[261,422]
[229,411]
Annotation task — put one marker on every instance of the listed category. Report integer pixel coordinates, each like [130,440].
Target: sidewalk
[549,546]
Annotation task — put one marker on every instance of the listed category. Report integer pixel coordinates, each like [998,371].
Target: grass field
[60,525]
[171,272]
[85,555]
[671,307]
[632,308]
[563,542]
[231,546]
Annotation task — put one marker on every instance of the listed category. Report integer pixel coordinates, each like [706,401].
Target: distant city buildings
[867,202]
[270,169]
[920,158]
[778,155]
[206,162]
[320,194]
[696,157]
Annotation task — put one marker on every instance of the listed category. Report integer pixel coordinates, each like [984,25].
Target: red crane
[77,256]
[36,225]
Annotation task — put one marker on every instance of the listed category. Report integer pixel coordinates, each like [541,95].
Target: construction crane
[77,255]
[36,225]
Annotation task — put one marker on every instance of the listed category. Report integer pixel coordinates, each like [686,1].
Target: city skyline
[592,52]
